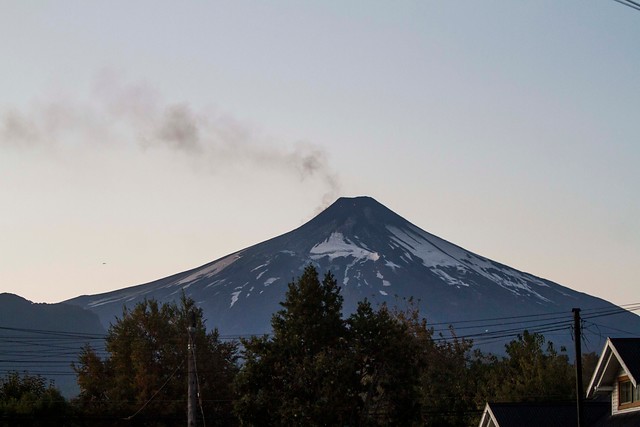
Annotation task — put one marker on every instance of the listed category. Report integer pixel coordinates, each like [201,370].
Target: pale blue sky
[140,139]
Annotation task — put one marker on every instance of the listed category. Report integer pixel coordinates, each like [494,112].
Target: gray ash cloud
[119,112]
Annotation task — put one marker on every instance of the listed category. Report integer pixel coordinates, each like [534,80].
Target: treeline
[380,366]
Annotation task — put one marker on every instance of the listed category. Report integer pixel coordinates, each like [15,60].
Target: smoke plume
[125,113]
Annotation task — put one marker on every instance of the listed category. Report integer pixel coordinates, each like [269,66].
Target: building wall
[615,398]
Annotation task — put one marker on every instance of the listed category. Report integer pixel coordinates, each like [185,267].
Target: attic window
[628,395]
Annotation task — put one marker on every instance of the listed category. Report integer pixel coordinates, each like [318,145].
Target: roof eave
[608,353]
[600,369]
[487,416]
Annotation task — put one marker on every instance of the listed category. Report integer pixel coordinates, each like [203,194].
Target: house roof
[629,351]
[632,419]
[618,353]
[535,414]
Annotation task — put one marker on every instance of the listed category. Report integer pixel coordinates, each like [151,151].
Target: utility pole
[192,388]
[577,335]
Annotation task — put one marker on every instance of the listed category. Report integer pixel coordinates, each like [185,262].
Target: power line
[156,393]
[67,334]
[611,327]
[630,3]
[590,313]
[59,343]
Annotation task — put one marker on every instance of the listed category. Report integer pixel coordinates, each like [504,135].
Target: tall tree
[447,384]
[144,375]
[301,375]
[388,366]
[318,369]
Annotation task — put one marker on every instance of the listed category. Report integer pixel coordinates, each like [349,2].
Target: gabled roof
[548,414]
[618,353]
[629,351]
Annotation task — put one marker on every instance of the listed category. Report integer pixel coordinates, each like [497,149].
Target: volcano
[376,254]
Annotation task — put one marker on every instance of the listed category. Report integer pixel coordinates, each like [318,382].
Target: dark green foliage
[446,380]
[28,400]
[319,369]
[388,367]
[531,373]
[311,318]
[378,367]
[147,365]
[381,367]
[302,375]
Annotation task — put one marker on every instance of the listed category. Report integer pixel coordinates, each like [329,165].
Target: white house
[616,376]
[613,396]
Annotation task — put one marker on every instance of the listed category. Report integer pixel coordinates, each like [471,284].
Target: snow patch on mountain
[420,247]
[260,266]
[210,270]
[117,298]
[385,283]
[234,297]
[270,280]
[448,279]
[391,265]
[337,246]
[437,255]
[216,283]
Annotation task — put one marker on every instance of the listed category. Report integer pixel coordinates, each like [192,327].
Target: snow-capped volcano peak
[374,253]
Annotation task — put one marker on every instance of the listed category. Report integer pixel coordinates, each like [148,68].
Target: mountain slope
[376,254]
[45,339]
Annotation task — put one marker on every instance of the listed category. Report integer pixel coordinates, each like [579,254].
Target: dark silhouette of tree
[388,365]
[446,381]
[531,372]
[28,400]
[144,376]
[378,367]
[301,375]
[318,369]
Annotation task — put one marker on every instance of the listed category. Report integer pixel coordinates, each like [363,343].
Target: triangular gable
[629,351]
[488,418]
[618,353]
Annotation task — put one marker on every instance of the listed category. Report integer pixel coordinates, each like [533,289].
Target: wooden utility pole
[192,387]
[577,338]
